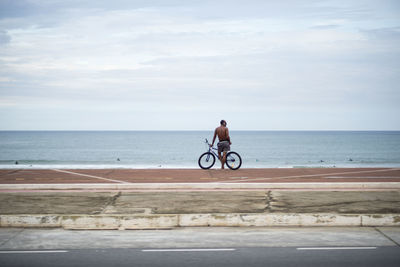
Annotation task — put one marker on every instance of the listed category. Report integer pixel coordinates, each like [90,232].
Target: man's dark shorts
[223,147]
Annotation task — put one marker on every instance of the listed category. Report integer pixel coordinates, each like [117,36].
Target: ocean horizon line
[232,130]
[183,148]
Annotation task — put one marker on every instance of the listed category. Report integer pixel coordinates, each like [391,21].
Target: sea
[181,149]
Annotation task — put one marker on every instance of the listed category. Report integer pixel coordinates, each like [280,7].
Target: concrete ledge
[380,220]
[120,222]
[163,221]
[189,220]
[171,186]
[30,220]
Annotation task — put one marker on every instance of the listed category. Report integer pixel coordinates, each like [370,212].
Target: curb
[171,186]
[165,221]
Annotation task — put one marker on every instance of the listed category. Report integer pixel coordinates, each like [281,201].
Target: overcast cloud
[184,65]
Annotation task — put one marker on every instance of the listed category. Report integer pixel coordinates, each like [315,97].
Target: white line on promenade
[31,251]
[336,248]
[309,175]
[189,250]
[91,176]
[216,186]
[363,177]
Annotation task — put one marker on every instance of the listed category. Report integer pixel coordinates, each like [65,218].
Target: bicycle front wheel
[233,160]
[206,160]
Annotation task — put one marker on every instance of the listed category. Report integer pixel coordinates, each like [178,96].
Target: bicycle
[207,159]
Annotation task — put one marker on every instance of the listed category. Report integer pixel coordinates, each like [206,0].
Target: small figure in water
[350,159]
[118,159]
[16,162]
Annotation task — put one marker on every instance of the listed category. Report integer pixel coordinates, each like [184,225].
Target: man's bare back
[223,133]
[224,142]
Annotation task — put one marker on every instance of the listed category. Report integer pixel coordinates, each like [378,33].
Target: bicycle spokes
[233,160]
[206,160]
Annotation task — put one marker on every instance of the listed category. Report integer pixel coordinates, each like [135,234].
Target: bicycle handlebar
[209,144]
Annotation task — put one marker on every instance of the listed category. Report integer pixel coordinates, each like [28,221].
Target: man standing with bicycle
[224,142]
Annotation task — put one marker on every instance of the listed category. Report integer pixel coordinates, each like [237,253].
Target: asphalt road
[271,256]
[283,246]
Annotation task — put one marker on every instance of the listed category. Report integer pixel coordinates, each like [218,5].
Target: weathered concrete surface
[392,233]
[92,203]
[192,202]
[54,203]
[31,220]
[335,202]
[167,221]
[51,239]
[144,210]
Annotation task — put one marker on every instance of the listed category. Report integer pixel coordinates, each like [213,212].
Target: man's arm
[215,136]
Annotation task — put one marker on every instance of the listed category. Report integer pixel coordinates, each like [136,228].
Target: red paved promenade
[297,175]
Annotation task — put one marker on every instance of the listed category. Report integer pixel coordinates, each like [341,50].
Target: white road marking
[363,177]
[189,250]
[31,251]
[91,176]
[336,248]
[311,175]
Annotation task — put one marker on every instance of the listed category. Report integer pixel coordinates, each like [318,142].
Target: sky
[185,65]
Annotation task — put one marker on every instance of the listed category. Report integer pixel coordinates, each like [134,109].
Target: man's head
[223,122]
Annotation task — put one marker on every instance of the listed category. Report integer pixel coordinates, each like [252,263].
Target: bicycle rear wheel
[233,160]
[206,160]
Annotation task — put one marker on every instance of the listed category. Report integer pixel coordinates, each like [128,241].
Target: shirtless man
[224,142]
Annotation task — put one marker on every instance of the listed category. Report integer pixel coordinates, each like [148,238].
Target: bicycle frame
[232,158]
[211,149]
